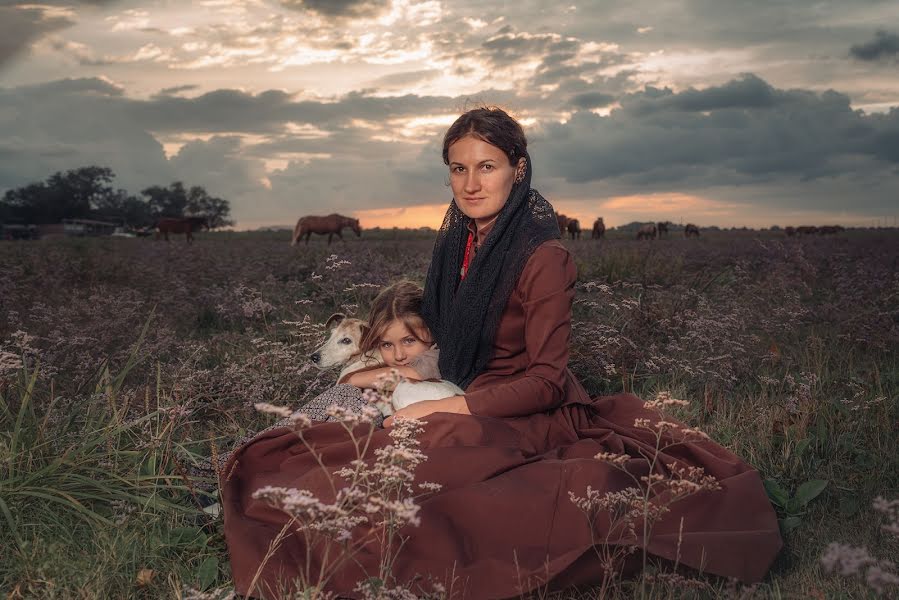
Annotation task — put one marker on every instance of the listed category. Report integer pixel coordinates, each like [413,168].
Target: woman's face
[398,346]
[481,178]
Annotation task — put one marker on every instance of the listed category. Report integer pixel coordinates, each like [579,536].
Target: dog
[343,349]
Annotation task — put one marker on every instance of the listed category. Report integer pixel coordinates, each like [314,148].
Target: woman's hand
[418,410]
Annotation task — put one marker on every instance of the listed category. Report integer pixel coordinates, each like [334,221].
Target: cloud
[21,23]
[338,8]
[21,26]
[884,46]
[744,132]
[591,100]
[274,154]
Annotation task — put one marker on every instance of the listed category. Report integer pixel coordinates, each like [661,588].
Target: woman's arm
[419,410]
[546,287]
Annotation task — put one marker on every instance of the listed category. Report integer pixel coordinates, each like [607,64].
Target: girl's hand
[419,410]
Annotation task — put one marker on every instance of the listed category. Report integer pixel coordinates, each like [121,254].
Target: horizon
[716,113]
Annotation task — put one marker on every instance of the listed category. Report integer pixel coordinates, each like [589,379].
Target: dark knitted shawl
[464,317]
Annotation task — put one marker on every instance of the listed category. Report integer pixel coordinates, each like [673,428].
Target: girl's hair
[492,125]
[400,301]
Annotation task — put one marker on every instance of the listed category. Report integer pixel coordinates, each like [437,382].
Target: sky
[716,112]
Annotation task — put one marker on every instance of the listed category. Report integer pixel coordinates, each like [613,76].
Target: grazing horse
[691,230]
[574,228]
[330,224]
[599,229]
[663,227]
[186,225]
[563,222]
[647,232]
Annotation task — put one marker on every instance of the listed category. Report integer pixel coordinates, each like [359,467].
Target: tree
[166,201]
[176,201]
[87,193]
[216,210]
[73,194]
[122,206]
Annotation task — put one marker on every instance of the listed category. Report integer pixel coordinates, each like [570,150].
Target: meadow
[123,362]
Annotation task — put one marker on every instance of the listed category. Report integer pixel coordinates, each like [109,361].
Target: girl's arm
[369,377]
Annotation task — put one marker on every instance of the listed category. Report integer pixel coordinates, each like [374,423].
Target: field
[124,361]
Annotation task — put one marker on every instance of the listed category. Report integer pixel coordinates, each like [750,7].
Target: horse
[662,227]
[599,229]
[563,222]
[691,229]
[647,232]
[806,230]
[830,229]
[330,224]
[574,228]
[186,225]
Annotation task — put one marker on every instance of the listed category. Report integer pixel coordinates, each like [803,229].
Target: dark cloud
[171,91]
[507,48]
[21,26]
[23,23]
[339,8]
[747,92]
[884,46]
[741,133]
[589,100]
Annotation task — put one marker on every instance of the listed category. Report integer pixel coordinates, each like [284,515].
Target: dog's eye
[346,341]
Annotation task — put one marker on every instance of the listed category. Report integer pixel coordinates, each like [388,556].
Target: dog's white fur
[343,349]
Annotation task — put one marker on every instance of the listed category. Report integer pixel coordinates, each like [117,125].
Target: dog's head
[344,342]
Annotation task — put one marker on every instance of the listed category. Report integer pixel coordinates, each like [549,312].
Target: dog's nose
[315,357]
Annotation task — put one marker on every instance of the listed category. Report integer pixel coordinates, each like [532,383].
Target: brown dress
[503,522]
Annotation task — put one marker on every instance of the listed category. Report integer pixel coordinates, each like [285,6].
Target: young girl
[397,330]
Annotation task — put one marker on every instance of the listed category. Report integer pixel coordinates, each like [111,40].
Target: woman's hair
[492,125]
[400,301]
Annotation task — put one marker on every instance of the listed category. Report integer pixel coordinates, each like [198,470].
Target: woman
[524,436]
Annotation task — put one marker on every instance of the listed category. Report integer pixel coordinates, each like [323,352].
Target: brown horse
[330,224]
[662,227]
[186,225]
[691,230]
[647,232]
[563,222]
[599,229]
[574,229]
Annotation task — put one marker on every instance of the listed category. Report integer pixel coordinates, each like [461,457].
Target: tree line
[88,193]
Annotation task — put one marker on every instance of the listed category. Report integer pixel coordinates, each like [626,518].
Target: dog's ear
[336,318]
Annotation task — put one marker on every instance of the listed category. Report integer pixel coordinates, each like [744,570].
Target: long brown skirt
[503,522]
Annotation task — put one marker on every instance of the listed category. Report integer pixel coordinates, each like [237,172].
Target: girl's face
[398,346]
[481,178]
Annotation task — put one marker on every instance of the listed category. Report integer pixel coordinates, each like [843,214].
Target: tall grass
[124,361]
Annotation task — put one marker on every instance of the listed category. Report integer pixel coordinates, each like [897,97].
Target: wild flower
[374,499]
[632,512]
[881,575]
[271,409]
